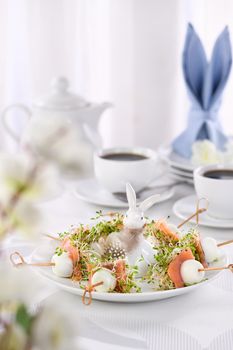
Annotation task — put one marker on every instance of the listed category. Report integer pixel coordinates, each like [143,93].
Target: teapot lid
[60,97]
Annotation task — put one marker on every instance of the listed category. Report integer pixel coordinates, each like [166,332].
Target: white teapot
[60,102]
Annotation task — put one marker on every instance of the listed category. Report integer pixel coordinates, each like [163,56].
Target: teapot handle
[5,119]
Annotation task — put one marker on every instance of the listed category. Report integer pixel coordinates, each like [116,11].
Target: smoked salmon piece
[77,273]
[108,265]
[174,267]
[200,252]
[121,276]
[162,226]
[72,251]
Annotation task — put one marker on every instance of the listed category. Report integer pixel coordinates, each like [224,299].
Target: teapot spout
[91,120]
[93,112]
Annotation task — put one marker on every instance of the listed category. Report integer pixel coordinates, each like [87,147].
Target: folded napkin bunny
[205,82]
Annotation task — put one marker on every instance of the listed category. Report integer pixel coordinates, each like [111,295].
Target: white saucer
[175,160]
[186,206]
[90,191]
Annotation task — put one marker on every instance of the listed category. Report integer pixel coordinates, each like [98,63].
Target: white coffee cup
[113,174]
[218,192]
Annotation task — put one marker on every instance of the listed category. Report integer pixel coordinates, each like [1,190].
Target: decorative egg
[63,265]
[108,279]
[210,249]
[190,271]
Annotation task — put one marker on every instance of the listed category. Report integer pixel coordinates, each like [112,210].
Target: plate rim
[122,297]
[165,151]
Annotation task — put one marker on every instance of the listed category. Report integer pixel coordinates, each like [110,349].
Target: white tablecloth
[200,320]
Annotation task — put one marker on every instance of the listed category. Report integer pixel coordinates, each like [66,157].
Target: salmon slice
[108,265]
[72,251]
[162,226]
[120,272]
[174,267]
[200,252]
[77,273]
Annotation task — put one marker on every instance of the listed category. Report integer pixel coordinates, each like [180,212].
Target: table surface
[202,319]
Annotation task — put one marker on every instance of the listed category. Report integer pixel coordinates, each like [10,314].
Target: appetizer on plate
[121,253]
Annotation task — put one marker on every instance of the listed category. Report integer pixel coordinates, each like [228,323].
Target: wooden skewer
[87,300]
[110,213]
[52,237]
[41,264]
[198,205]
[225,243]
[23,262]
[199,211]
[229,267]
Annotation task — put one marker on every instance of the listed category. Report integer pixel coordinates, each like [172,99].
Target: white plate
[147,292]
[175,160]
[182,173]
[90,191]
[180,178]
[186,206]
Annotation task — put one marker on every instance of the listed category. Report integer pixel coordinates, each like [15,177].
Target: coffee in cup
[215,183]
[114,167]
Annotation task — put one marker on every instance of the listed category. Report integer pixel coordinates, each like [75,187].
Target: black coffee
[219,174]
[124,156]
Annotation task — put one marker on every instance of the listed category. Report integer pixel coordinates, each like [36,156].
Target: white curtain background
[124,51]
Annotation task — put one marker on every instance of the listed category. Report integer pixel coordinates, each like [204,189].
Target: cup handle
[5,119]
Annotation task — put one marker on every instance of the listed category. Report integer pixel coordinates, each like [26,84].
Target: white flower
[59,141]
[205,152]
[18,284]
[20,173]
[24,218]
[228,154]
[54,329]
[14,338]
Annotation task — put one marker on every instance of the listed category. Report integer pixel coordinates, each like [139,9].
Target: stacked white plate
[179,167]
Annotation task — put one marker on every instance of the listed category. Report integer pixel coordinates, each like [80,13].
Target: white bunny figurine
[130,239]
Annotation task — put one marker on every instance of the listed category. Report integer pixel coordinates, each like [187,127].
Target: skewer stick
[225,243]
[229,267]
[22,262]
[52,237]
[197,212]
[87,299]
[110,213]
[198,204]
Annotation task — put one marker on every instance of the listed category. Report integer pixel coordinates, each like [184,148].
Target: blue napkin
[205,83]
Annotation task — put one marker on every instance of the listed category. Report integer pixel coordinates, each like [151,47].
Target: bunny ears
[146,204]
[206,80]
